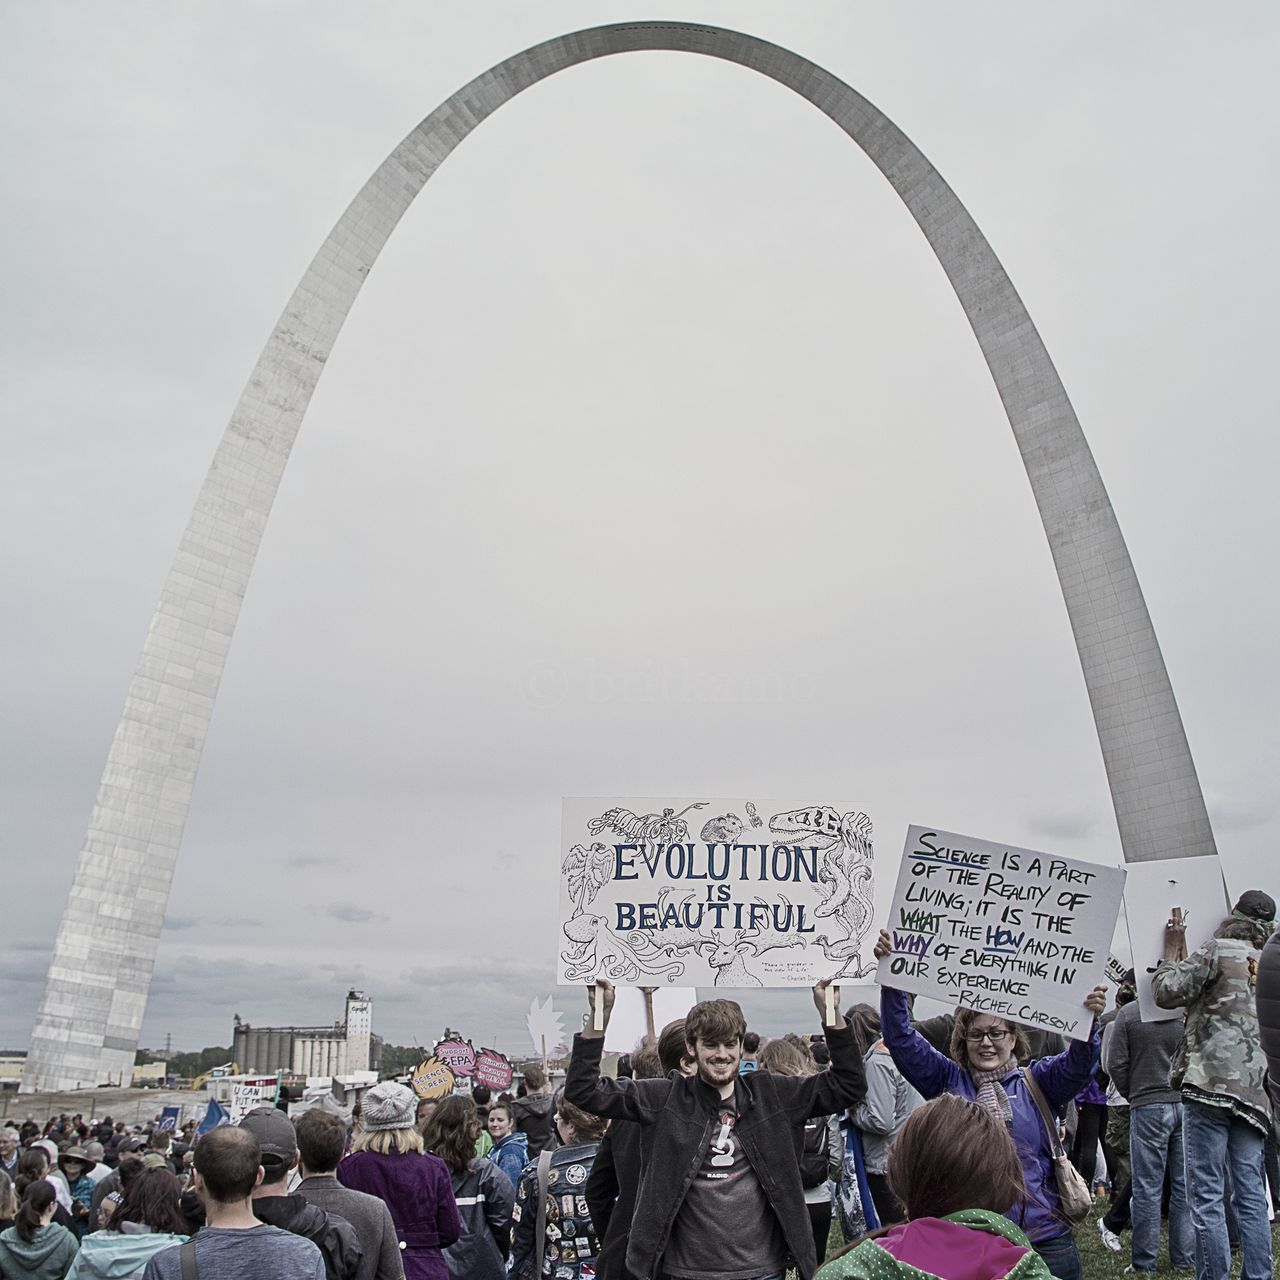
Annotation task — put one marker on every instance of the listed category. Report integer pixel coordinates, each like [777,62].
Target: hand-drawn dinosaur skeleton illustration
[666,827]
[847,867]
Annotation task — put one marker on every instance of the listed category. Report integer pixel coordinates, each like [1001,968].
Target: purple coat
[418,1191]
[1060,1078]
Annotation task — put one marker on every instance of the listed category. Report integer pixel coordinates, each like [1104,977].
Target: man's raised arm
[585,1087]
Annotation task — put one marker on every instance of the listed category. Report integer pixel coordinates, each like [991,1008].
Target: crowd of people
[962,1147]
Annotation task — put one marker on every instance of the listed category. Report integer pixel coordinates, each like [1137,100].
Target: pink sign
[457,1055]
[493,1069]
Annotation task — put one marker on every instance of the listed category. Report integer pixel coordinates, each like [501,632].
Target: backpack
[815,1161]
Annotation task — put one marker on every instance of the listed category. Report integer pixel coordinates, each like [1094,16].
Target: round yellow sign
[432,1079]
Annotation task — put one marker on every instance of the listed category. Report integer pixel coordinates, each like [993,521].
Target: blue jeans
[1214,1140]
[1061,1256]
[1155,1145]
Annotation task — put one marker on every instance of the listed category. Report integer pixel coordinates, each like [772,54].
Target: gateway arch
[90,1013]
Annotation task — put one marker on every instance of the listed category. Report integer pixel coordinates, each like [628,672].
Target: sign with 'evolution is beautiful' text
[1012,932]
[714,892]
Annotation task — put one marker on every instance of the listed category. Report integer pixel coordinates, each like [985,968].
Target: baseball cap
[274,1132]
[1256,905]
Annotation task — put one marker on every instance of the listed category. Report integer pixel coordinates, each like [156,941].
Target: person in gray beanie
[1221,1071]
[388,1160]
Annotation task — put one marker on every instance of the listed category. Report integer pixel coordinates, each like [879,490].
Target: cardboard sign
[494,1070]
[432,1079]
[1150,894]
[629,1024]
[1013,932]
[247,1094]
[458,1055]
[715,892]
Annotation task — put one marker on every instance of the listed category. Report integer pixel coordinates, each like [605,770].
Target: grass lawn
[1099,1262]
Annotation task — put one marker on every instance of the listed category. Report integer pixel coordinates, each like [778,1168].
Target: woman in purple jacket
[983,1067]
[388,1160]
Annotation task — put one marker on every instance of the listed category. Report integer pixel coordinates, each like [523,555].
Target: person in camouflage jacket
[1221,1071]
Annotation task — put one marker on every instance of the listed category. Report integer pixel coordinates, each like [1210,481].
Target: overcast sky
[656,457]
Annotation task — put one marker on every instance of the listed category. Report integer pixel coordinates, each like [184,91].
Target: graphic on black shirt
[723,1146]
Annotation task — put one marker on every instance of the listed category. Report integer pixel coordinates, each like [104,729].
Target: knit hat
[1256,905]
[274,1132]
[388,1106]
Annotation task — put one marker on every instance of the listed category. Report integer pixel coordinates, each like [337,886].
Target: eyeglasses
[996,1037]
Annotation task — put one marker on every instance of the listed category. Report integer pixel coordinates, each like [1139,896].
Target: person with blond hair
[388,1160]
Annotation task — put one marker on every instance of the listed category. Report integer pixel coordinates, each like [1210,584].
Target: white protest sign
[1012,932]
[628,1023]
[1150,894]
[245,1094]
[725,892]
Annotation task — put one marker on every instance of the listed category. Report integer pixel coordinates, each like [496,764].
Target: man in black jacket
[720,1192]
[334,1236]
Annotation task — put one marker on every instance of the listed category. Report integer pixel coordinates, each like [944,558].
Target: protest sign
[456,1054]
[1153,889]
[1012,932]
[493,1069]
[719,892]
[629,1023]
[245,1094]
[169,1120]
[432,1079]
[1116,970]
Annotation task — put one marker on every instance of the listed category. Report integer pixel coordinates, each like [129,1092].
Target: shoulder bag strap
[540,1234]
[187,1259]
[1043,1108]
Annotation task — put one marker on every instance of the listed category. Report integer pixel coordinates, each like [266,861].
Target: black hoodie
[531,1116]
[334,1236]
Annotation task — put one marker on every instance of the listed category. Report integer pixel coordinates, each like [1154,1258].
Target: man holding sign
[720,1192]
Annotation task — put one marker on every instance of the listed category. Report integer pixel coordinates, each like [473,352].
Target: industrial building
[344,1048]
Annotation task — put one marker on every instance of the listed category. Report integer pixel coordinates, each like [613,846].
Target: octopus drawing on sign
[847,869]
[596,949]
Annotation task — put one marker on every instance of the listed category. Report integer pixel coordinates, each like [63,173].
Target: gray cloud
[353,914]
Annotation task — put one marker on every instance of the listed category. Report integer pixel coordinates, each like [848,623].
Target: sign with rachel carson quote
[726,892]
[1012,932]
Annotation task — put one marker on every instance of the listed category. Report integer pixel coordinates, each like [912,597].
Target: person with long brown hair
[484,1194]
[956,1172]
[148,1221]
